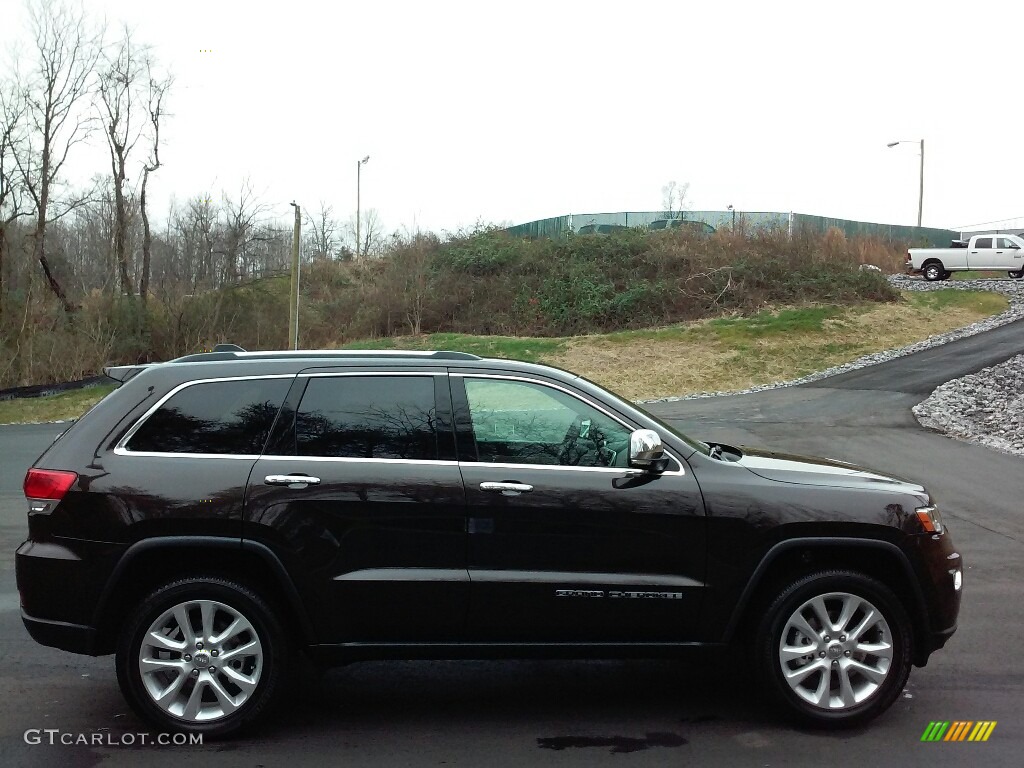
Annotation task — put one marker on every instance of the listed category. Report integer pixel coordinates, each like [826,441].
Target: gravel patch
[986,407]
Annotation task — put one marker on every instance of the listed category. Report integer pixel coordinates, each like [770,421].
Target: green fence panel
[602,223]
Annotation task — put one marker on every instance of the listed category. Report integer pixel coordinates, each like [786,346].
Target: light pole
[359,184]
[920,192]
[730,208]
[293,299]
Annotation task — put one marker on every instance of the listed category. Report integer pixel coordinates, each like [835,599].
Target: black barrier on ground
[42,390]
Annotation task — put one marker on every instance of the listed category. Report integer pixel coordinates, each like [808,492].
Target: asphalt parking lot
[698,712]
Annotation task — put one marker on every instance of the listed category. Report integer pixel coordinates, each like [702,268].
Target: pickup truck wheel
[201,655]
[1016,275]
[933,271]
[835,648]
[946,275]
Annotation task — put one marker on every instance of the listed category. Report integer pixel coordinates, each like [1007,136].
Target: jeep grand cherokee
[219,513]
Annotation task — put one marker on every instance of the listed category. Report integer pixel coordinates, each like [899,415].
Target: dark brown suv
[218,514]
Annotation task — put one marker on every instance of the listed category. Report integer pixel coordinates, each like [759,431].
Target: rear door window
[368,417]
[983,242]
[214,417]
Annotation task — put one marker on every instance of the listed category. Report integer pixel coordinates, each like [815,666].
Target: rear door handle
[506,488]
[292,481]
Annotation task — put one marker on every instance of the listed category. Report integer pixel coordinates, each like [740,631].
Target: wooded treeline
[79,264]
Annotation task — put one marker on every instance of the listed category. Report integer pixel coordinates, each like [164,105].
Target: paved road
[614,713]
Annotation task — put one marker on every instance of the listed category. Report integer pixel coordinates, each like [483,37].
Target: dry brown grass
[699,359]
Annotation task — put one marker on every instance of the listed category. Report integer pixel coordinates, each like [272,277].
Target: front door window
[518,422]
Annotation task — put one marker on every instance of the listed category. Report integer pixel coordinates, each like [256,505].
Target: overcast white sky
[509,112]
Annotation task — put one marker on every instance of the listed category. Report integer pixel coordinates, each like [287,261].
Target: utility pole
[920,193]
[293,299]
[359,185]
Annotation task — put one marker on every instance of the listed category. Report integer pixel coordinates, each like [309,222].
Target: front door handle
[506,488]
[292,481]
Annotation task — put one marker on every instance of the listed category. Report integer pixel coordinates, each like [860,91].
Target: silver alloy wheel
[836,650]
[933,272]
[200,660]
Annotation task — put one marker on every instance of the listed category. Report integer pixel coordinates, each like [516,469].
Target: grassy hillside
[480,284]
[721,354]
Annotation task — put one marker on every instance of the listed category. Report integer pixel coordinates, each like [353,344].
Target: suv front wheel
[835,648]
[201,655]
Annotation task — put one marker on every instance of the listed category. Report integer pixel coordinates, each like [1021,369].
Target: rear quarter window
[215,417]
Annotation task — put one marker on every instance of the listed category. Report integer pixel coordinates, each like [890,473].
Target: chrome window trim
[304,375]
[119,451]
[582,398]
[121,448]
[358,460]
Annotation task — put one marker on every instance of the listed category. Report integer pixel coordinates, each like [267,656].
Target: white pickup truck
[983,252]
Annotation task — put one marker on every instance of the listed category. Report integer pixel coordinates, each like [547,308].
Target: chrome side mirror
[645,449]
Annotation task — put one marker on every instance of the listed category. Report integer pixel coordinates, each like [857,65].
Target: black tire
[1016,275]
[872,681]
[933,271]
[946,275]
[228,600]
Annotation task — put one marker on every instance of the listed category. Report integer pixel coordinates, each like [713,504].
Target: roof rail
[283,354]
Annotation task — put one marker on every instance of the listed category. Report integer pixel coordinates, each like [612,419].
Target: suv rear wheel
[201,655]
[835,648]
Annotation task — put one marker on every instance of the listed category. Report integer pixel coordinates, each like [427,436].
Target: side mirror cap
[645,449]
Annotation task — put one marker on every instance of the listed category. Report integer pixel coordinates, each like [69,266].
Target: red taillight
[50,484]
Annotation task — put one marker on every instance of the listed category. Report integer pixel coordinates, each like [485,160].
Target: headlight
[930,520]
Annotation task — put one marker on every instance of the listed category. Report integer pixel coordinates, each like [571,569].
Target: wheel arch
[789,560]
[149,563]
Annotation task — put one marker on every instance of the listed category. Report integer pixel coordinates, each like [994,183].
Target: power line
[986,223]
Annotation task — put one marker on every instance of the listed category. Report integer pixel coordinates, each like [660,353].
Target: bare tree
[56,89]
[12,113]
[673,199]
[196,231]
[323,228]
[118,86]
[412,256]
[241,231]
[156,90]
[371,233]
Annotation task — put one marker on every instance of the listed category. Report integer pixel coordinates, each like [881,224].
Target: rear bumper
[59,583]
[76,638]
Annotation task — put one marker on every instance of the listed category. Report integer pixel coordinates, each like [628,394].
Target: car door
[566,543]
[183,467]
[360,494]
[982,254]
[1008,254]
